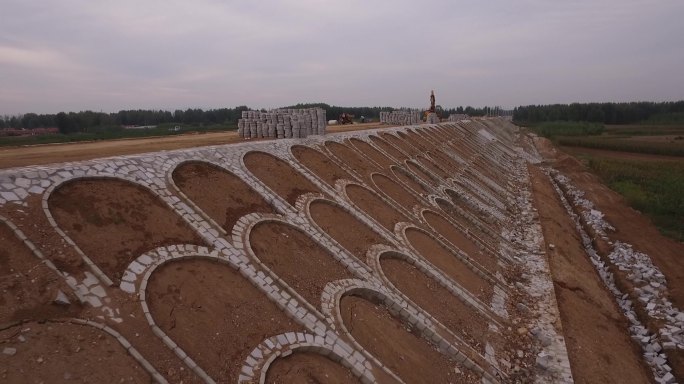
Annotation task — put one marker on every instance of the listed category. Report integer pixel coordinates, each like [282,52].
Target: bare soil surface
[443,259]
[219,193]
[388,148]
[352,158]
[403,175]
[424,176]
[428,164]
[452,212]
[214,314]
[596,332]
[11,157]
[399,143]
[630,227]
[397,346]
[279,176]
[375,207]
[461,319]
[459,239]
[346,229]
[395,191]
[460,202]
[372,153]
[320,164]
[114,221]
[308,368]
[65,353]
[297,259]
[27,286]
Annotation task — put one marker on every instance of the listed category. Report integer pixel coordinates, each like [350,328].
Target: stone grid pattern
[152,171]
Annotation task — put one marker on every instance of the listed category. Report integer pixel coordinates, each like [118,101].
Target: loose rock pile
[650,285]
[403,117]
[282,123]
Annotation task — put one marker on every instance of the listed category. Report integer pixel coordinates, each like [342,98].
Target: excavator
[345,118]
[432,106]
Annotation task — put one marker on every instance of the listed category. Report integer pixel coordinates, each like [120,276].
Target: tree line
[333,111]
[87,121]
[606,113]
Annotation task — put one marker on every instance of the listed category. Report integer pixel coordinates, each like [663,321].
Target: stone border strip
[650,343]
[404,311]
[283,345]
[130,349]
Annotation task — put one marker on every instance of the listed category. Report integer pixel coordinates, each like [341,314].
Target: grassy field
[654,139]
[110,134]
[621,156]
[656,188]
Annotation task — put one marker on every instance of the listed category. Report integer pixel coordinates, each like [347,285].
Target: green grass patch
[553,129]
[665,148]
[112,133]
[644,130]
[654,188]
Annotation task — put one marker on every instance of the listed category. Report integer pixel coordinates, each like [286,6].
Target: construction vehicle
[345,118]
[432,106]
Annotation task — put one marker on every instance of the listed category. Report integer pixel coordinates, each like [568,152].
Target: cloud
[77,54]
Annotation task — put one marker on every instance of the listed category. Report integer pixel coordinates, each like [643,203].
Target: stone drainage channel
[650,284]
[151,171]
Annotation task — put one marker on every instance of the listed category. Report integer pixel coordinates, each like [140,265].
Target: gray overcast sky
[75,55]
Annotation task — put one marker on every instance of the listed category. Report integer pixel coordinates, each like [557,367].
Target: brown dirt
[297,259]
[443,259]
[342,226]
[127,218]
[446,162]
[219,193]
[371,153]
[402,174]
[452,212]
[320,164]
[399,143]
[405,138]
[66,353]
[370,203]
[54,153]
[461,203]
[308,368]
[596,333]
[352,158]
[459,239]
[422,175]
[395,191]
[214,314]
[279,176]
[27,286]
[427,163]
[397,346]
[387,147]
[631,227]
[417,138]
[437,300]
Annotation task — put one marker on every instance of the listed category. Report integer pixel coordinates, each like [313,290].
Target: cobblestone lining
[154,172]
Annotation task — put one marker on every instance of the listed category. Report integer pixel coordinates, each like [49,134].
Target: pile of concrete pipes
[401,117]
[432,118]
[458,117]
[282,123]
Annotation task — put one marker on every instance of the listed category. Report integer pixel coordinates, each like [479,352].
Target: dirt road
[64,152]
